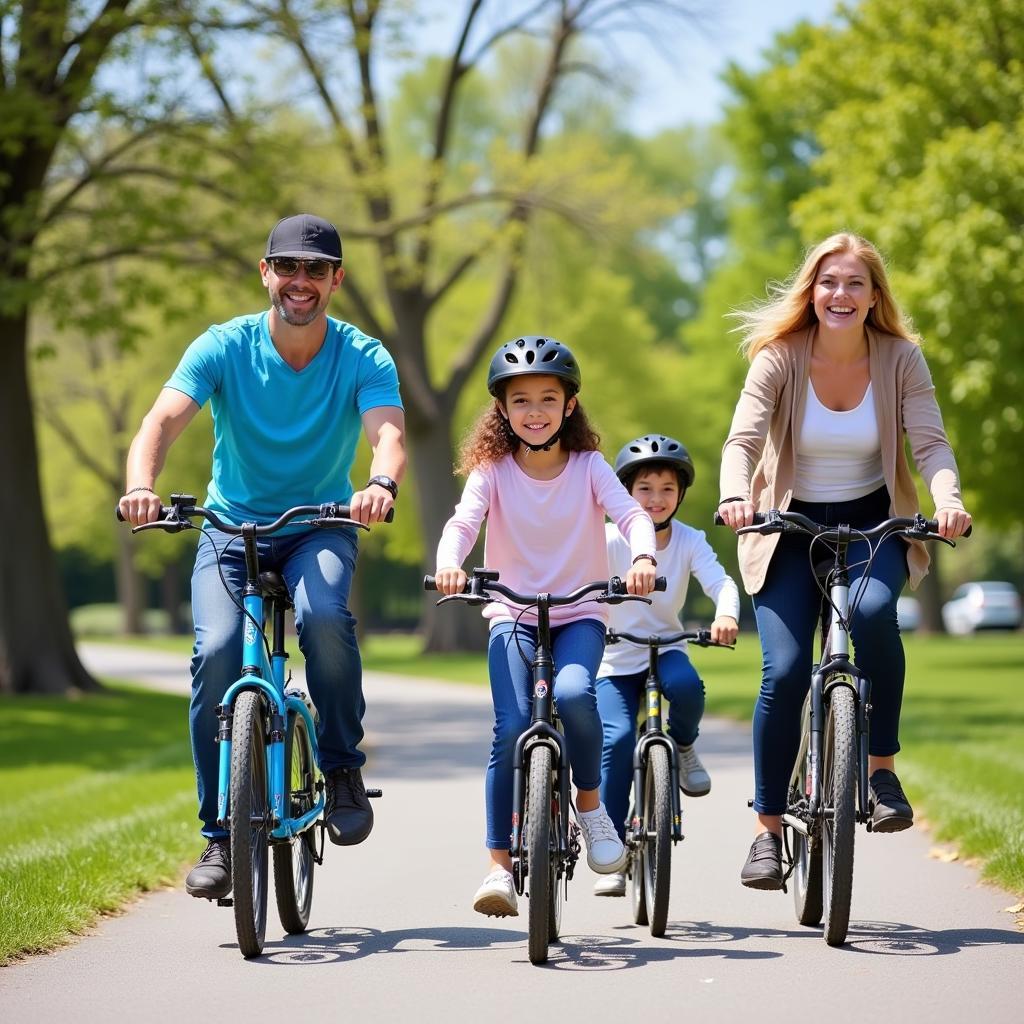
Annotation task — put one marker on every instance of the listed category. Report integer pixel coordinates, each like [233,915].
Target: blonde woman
[837,379]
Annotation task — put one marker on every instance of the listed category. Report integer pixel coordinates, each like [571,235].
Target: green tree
[74,150]
[461,212]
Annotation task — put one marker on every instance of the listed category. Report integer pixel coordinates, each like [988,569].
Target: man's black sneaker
[892,812]
[348,812]
[763,869]
[210,879]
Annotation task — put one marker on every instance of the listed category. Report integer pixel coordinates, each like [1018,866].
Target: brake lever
[328,522]
[167,525]
[607,598]
[468,598]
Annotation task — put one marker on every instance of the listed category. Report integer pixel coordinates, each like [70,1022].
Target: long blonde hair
[789,307]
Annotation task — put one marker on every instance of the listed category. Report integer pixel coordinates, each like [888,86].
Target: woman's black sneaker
[763,869]
[210,879]
[892,811]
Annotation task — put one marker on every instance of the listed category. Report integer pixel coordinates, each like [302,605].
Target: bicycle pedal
[373,794]
[225,901]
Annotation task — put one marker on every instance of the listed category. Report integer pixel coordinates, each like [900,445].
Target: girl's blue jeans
[787,608]
[577,648]
[618,700]
[317,565]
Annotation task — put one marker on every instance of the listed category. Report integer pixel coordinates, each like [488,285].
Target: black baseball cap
[304,236]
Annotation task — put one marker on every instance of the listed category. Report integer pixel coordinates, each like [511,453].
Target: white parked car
[986,605]
[908,613]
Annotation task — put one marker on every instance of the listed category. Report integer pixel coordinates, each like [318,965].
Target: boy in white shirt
[657,470]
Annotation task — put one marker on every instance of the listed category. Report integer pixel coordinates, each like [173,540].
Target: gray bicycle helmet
[533,354]
[654,448]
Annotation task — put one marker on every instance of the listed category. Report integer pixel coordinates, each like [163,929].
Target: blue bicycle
[270,791]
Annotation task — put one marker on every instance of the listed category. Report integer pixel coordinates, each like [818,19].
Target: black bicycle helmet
[533,354]
[654,448]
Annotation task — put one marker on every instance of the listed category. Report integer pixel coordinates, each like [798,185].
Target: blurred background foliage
[903,123]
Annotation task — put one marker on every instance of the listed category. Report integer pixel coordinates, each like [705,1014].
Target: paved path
[393,936]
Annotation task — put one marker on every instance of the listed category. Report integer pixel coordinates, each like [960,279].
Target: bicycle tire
[555,871]
[657,848]
[635,869]
[837,829]
[807,895]
[249,822]
[294,862]
[539,852]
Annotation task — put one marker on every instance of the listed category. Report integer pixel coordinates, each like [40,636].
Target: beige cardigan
[759,455]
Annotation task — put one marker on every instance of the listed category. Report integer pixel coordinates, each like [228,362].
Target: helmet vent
[549,355]
[530,356]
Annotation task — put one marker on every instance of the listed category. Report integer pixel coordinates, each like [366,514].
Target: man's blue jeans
[317,565]
[576,650]
[787,609]
[618,700]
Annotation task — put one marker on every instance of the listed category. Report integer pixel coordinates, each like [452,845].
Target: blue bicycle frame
[267,677]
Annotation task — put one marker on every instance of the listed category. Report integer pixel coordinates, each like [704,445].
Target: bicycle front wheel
[293,861]
[839,795]
[250,816]
[657,847]
[807,898]
[540,854]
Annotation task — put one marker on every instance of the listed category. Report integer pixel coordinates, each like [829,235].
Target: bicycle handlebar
[483,581]
[775,521]
[701,637]
[177,517]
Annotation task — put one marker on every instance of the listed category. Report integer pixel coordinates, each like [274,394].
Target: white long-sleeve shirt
[687,552]
[546,536]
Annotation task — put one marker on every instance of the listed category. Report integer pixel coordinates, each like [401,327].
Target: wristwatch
[386,482]
[650,558]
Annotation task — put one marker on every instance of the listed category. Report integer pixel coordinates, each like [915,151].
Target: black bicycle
[545,843]
[270,790]
[654,825]
[828,790]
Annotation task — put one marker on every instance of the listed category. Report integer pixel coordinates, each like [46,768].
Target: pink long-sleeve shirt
[545,536]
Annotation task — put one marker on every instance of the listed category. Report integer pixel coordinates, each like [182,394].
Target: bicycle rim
[839,795]
[293,860]
[657,848]
[539,853]
[249,820]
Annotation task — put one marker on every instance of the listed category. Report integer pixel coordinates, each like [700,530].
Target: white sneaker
[496,897]
[605,852]
[693,777]
[611,885]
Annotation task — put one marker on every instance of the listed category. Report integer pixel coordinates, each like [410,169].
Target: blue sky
[687,88]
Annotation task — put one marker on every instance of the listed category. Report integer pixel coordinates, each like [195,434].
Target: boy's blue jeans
[317,565]
[577,648]
[618,700]
[787,608]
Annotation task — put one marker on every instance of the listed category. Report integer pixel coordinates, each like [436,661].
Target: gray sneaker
[693,776]
[210,879]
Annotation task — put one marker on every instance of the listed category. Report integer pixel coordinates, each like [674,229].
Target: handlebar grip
[117,512]
[660,583]
[429,583]
[759,519]
[390,517]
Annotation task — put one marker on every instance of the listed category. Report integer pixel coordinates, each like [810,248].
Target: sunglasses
[287,266]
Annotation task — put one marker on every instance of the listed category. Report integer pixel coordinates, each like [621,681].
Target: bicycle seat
[275,588]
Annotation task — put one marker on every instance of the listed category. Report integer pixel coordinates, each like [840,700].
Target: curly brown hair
[491,438]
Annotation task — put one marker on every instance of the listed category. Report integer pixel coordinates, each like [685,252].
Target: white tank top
[838,454]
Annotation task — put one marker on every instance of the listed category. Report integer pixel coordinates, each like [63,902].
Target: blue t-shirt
[283,437]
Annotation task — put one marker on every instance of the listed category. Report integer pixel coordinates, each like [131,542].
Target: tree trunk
[929,593]
[455,627]
[128,581]
[37,653]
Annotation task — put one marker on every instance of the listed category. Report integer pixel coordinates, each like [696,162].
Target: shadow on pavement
[883,938]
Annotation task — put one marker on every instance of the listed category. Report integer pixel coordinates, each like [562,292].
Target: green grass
[99,804]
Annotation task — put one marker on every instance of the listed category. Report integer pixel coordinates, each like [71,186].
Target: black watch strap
[386,482]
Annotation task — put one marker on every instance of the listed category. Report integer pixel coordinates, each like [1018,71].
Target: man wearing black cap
[290,390]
